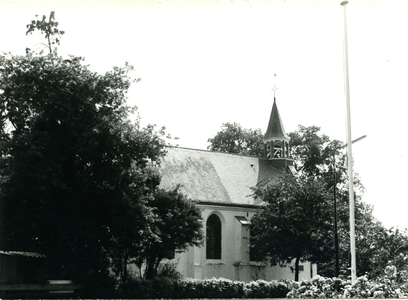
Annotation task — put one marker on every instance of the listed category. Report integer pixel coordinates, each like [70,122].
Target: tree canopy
[232,138]
[49,29]
[170,222]
[294,223]
[78,176]
[319,158]
[177,225]
[69,155]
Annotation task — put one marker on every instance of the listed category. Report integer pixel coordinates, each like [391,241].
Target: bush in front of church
[162,287]
[266,289]
[156,288]
[209,288]
[226,288]
[391,284]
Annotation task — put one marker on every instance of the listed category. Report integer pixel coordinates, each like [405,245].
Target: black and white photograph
[180,149]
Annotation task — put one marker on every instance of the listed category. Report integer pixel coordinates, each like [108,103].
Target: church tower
[277,141]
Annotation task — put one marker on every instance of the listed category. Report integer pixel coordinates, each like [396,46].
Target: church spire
[276,140]
[275,129]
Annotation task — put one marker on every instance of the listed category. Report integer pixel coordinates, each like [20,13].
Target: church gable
[215,177]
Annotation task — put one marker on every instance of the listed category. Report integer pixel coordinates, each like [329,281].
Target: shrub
[209,288]
[162,287]
[159,287]
[225,288]
[168,269]
[386,286]
[317,287]
[265,289]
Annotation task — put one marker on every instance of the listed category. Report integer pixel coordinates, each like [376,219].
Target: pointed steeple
[276,140]
[275,129]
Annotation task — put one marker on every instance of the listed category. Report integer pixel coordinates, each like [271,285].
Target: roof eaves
[209,203]
[23,253]
[216,152]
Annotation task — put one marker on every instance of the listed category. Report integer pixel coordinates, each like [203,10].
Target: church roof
[275,129]
[215,177]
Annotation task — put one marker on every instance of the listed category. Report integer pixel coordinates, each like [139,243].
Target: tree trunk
[157,264]
[125,273]
[297,268]
[150,263]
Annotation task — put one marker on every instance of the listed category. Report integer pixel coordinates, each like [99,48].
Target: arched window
[213,233]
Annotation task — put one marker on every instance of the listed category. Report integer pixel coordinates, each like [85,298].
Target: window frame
[216,237]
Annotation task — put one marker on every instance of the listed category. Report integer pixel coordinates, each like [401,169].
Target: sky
[205,63]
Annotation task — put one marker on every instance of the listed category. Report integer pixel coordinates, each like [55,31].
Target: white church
[220,185]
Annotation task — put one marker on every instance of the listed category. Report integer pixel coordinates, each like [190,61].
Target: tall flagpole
[349,152]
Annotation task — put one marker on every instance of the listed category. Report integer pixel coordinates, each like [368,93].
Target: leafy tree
[310,150]
[394,251]
[49,29]
[382,247]
[369,234]
[317,156]
[294,223]
[234,139]
[169,222]
[71,161]
[132,218]
[376,246]
[177,225]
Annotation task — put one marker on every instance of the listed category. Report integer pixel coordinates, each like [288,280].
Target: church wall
[235,261]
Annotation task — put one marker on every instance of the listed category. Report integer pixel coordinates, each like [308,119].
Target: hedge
[391,285]
[207,288]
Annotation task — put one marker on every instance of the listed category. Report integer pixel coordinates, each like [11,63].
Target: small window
[213,234]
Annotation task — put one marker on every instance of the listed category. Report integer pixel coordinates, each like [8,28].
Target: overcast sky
[204,63]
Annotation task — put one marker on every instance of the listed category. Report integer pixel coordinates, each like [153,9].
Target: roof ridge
[220,152]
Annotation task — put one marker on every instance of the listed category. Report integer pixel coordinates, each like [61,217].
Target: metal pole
[349,152]
[336,236]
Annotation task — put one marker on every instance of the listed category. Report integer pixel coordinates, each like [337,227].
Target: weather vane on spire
[274,86]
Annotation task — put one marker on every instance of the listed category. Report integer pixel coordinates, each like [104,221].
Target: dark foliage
[200,289]
[317,156]
[171,222]
[234,139]
[71,163]
[294,223]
